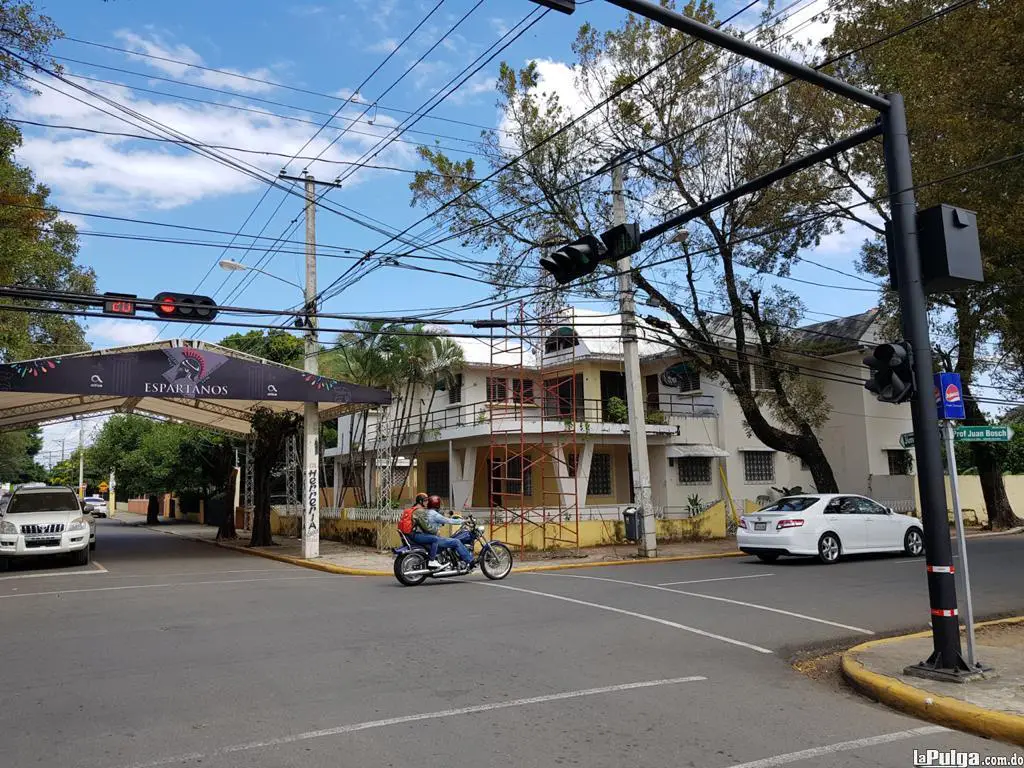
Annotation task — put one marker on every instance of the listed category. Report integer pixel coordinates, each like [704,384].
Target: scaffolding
[534,406]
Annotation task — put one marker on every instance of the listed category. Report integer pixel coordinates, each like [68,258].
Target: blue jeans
[427,540]
[458,546]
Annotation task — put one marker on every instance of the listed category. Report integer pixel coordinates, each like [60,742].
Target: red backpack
[405,521]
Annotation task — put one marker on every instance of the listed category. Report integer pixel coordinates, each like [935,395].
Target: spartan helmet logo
[191,365]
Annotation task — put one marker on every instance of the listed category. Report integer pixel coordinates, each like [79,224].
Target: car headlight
[6,526]
[76,524]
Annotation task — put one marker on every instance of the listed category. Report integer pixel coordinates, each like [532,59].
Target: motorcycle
[495,558]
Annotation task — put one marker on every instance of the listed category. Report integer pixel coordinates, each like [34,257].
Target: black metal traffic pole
[946,660]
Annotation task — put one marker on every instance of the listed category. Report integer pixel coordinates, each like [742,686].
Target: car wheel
[81,557]
[768,557]
[5,564]
[92,546]
[913,542]
[829,548]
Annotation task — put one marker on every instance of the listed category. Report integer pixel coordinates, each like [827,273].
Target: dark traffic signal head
[575,260]
[892,372]
[622,240]
[180,306]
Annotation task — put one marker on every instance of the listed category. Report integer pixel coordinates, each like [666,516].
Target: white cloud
[232,79]
[476,85]
[307,10]
[499,25]
[385,45]
[112,173]
[121,333]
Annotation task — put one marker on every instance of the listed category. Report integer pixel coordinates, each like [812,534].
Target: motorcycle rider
[419,534]
[429,520]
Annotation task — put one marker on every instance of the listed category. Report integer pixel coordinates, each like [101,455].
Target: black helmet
[434,502]
[421,498]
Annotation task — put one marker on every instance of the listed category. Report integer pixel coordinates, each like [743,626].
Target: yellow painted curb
[316,566]
[943,710]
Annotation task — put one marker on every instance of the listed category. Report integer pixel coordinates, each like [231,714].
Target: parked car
[97,505]
[827,525]
[46,520]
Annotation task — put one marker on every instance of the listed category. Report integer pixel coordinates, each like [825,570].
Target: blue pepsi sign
[949,396]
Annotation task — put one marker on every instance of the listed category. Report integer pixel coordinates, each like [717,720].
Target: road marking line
[635,615]
[721,578]
[843,746]
[717,599]
[282,569]
[444,713]
[50,574]
[154,586]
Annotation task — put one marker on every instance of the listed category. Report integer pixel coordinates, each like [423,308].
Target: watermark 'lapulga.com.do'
[952,758]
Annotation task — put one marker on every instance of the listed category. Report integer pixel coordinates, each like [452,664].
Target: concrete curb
[926,705]
[345,571]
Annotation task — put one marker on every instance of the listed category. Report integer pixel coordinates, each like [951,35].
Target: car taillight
[793,523]
[743,522]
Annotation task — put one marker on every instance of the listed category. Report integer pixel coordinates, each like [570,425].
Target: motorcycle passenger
[430,521]
[419,534]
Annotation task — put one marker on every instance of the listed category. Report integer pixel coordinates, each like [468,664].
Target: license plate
[33,543]
[760,526]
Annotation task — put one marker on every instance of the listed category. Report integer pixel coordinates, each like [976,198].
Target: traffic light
[892,372]
[180,306]
[562,6]
[622,240]
[574,260]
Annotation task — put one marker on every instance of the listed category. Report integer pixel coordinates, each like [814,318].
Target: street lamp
[236,266]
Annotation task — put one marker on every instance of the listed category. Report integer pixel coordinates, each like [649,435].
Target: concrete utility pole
[310,413]
[641,467]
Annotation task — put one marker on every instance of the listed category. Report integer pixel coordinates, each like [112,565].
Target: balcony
[551,416]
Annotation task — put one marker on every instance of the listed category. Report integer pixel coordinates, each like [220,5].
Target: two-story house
[538,430]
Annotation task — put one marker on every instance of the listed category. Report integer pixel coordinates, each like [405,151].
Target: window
[563,338]
[653,395]
[759,466]
[694,470]
[512,476]
[792,504]
[437,479]
[45,501]
[497,390]
[600,483]
[899,462]
[761,379]
[522,391]
[681,375]
[455,390]
[562,395]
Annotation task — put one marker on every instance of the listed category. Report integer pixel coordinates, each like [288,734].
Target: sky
[296,63]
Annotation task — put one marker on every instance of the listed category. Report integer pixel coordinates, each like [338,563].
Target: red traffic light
[175,306]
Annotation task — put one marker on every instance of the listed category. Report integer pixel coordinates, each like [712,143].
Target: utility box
[950,248]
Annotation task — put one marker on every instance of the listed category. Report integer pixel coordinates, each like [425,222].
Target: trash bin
[629,521]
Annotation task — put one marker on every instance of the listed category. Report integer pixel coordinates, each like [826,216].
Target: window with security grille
[510,477]
[522,391]
[761,380]
[694,470]
[759,466]
[600,482]
[455,390]
[437,479]
[899,462]
[497,389]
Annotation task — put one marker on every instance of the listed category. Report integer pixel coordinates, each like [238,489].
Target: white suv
[44,521]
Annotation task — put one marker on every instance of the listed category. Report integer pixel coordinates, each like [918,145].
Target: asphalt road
[166,652]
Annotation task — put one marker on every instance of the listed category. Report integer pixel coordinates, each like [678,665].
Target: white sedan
[827,525]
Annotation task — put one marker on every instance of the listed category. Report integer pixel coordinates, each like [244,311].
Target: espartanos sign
[180,372]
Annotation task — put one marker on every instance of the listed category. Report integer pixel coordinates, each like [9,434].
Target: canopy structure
[184,380]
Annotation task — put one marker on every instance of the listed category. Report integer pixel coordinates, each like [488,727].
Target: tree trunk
[1000,512]
[821,470]
[153,511]
[226,531]
[261,534]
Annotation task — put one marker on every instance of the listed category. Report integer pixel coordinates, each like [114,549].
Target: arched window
[683,376]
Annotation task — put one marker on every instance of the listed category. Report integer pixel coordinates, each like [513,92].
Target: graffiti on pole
[313,503]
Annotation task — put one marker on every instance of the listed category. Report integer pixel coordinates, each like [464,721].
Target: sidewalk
[991,707]
[363,561]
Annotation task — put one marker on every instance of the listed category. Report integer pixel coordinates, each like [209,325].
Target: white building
[539,429]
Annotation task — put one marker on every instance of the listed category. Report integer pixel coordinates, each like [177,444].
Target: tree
[18,451]
[957,75]
[410,362]
[28,33]
[705,122]
[116,448]
[276,346]
[66,472]
[270,431]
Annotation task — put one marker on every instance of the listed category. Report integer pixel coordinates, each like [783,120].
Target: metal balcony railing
[552,408]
